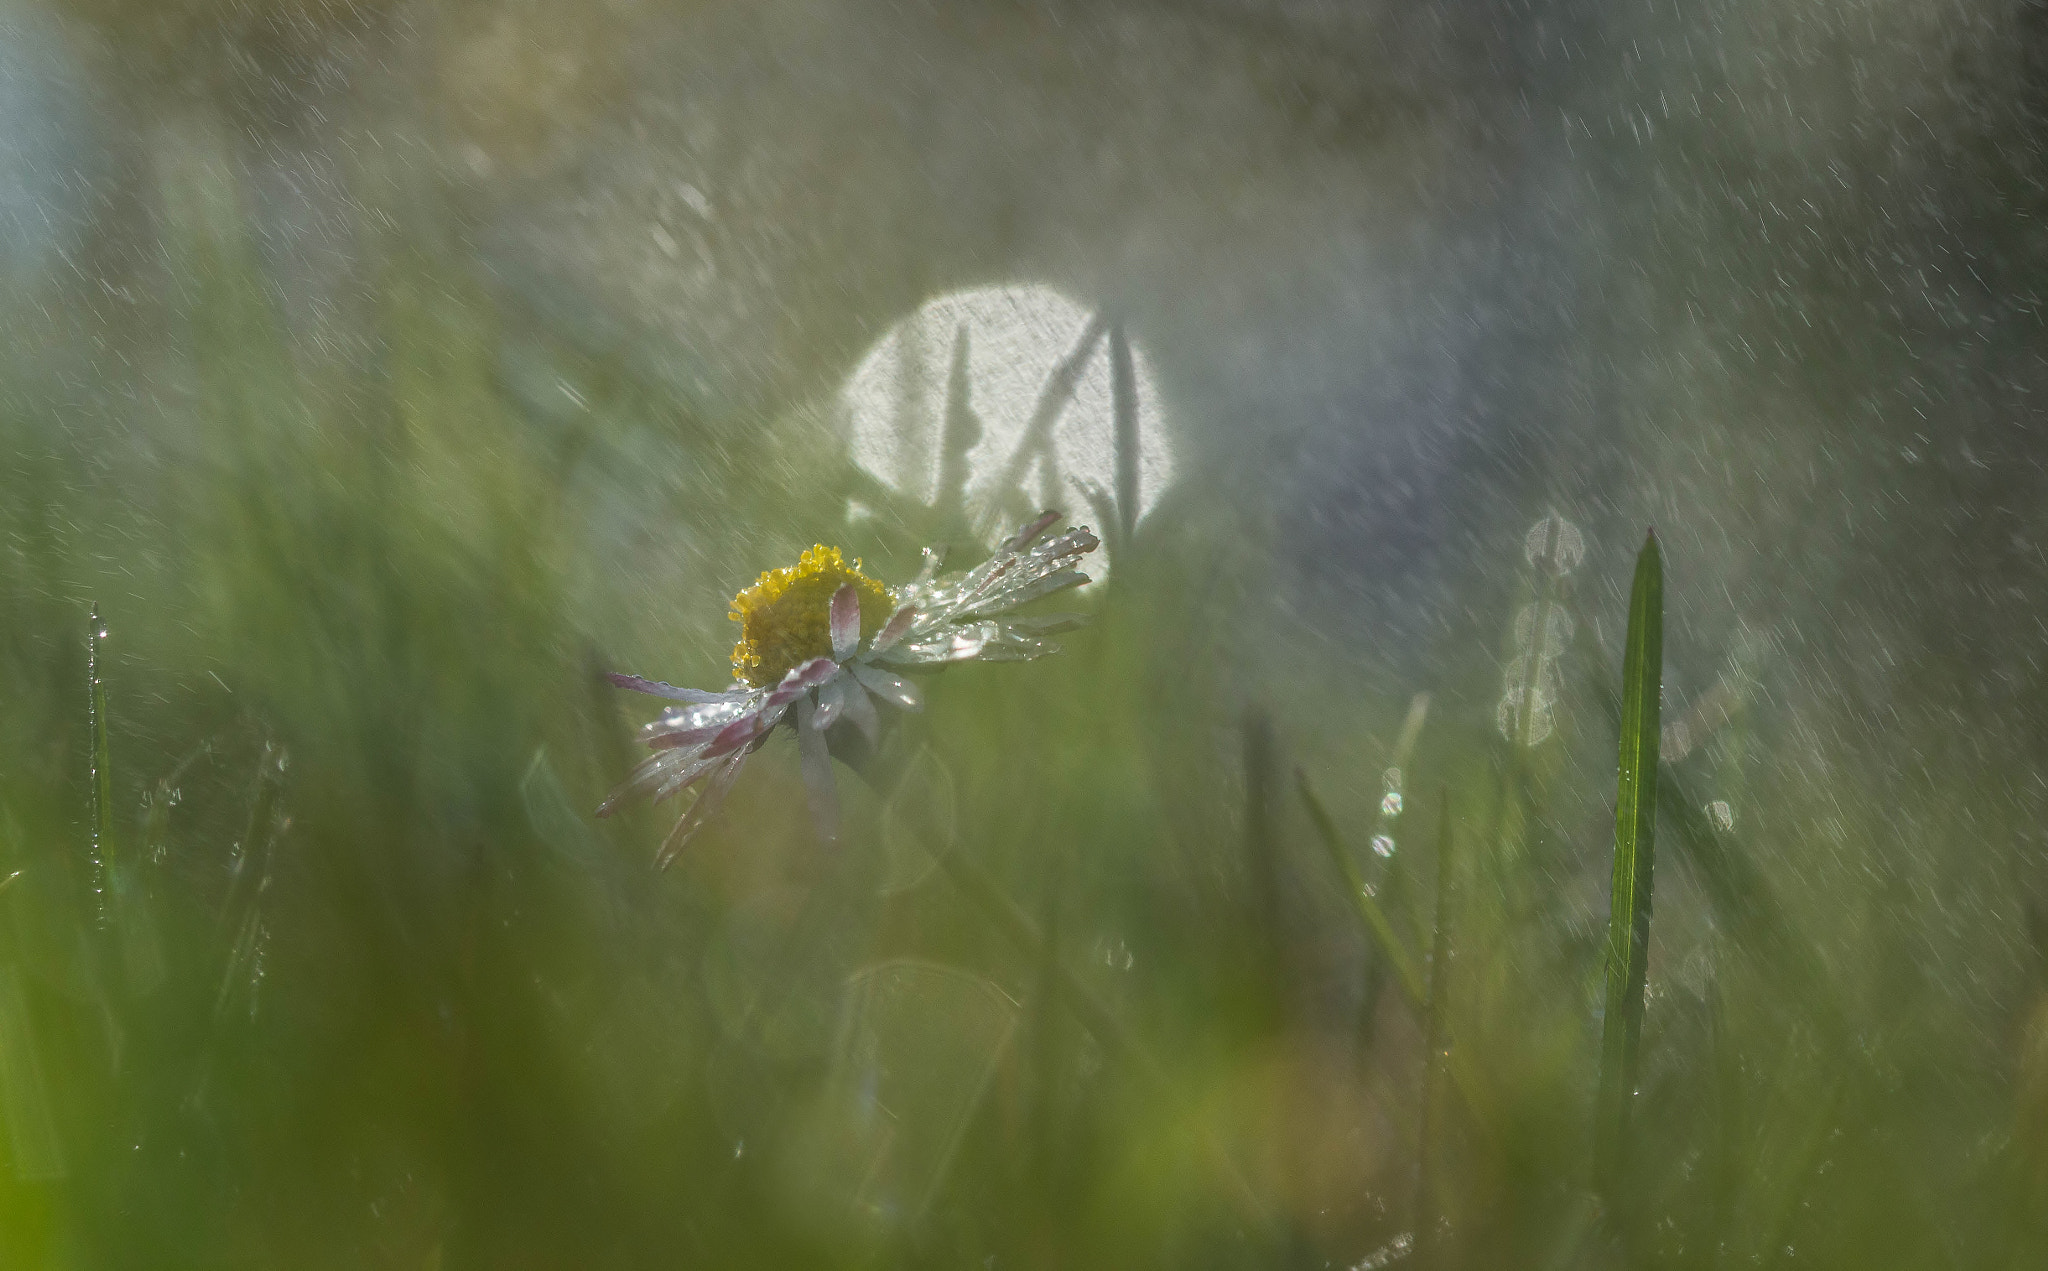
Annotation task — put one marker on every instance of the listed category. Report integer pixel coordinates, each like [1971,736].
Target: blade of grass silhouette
[1123,395]
[1428,1203]
[1052,403]
[962,432]
[1635,826]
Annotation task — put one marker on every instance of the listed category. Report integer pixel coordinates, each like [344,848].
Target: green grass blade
[1635,824]
[1368,907]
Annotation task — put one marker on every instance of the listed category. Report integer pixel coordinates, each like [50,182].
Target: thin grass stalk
[1262,860]
[1362,899]
[102,785]
[1436,1043]
[1388,881]
[1485,1118]
[1635,825]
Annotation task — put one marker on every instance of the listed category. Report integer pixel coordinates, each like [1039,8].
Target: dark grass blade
[1436,1046]
[1635,823]
[1262,861]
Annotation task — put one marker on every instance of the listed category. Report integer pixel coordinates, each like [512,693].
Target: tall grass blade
[1635,824]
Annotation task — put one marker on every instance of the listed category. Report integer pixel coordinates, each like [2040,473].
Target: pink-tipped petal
[894,629]
[655,688]
[792,686]
[845,617]
[1023,537]
[734,735]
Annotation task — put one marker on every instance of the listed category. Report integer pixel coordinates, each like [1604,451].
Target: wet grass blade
[1635,824]
[1368,907]
[102,792]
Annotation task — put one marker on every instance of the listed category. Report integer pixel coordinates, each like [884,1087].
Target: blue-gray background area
[1766,276]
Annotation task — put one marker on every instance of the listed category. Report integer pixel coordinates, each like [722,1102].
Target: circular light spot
[996,402]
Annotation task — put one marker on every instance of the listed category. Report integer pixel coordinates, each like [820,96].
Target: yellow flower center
[786,617]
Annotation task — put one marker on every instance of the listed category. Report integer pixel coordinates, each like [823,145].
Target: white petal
[700,811]
[892,631]
[831,701]
[861,710]
[680,719]
[893,689]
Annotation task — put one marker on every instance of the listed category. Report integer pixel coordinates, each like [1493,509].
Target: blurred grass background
[343,379]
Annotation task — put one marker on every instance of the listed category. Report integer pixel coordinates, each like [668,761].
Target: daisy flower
[821,642]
